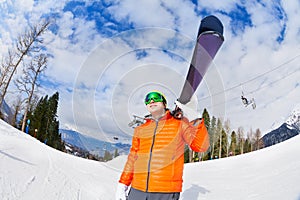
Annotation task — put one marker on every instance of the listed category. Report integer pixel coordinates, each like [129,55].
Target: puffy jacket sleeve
[128,170]
[196,136]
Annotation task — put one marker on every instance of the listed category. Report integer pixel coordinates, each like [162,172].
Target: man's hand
[189,110]
[121,193]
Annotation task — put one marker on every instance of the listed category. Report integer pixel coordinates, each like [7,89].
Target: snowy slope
[32,170]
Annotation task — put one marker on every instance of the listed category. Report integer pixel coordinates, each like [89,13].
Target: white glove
[121,193]
[189,109]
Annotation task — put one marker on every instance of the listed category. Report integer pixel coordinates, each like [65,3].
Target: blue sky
[107,54]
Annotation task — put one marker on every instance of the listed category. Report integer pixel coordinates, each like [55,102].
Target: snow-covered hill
[31,170]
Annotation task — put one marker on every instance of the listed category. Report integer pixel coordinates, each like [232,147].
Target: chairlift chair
[137,121]
[247,102]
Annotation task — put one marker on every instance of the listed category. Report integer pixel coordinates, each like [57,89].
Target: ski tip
[211,23]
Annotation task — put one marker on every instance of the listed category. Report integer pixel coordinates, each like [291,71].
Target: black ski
[209,40]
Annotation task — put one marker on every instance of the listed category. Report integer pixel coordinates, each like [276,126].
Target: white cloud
[143,13]
[97,75]
[112,74]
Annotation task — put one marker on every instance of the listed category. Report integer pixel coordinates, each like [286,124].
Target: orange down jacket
[156,158]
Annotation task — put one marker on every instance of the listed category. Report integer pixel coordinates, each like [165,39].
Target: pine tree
[107,155]
[224,146]
[116,153]
[52,125]
[204,155]
[186,154]
[247,145]
[37,117]
[44,123]
[206,118]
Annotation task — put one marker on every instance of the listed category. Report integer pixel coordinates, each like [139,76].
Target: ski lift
[137,121]
[116,138]
[248,102]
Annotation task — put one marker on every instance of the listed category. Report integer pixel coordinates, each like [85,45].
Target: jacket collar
[166,116]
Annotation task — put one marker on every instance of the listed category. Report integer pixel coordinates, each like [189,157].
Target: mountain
[294,119]
[286,131]
[6,112]
[92,145]
[278,135]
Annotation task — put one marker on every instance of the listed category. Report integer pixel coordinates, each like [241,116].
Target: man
[154,165]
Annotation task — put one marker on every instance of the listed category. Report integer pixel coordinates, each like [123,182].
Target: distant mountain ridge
[280,134]
[6,112]
[286,131]
[92,145]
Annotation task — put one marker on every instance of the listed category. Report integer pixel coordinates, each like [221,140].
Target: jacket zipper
[150,157]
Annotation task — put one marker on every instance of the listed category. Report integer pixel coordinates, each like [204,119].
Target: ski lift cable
[275,81]
[259,88]
[267,72]
[250,80]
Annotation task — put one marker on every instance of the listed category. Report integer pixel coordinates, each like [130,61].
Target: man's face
[156,107]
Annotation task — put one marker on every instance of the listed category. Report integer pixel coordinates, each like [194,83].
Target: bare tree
[17,107]
[250,138]
[27,43]
[257,137]
[219,133]
[5,67]
[240,136]
[227,131]
[5,70]
[28,83]
[213,137]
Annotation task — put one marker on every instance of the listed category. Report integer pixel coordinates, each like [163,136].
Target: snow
[31,170]
[294,118]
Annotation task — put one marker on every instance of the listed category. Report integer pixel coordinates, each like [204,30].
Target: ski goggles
[155,96]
